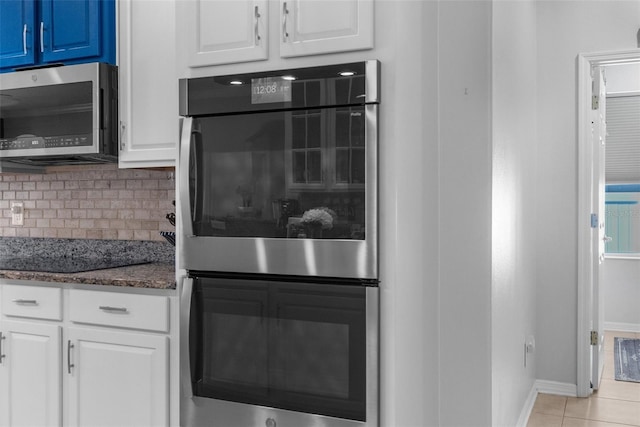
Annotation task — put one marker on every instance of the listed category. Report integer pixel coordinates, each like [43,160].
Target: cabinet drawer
[149,312]
[32,301]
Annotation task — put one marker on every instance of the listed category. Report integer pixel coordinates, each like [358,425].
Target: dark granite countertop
[151,275]
[156,269]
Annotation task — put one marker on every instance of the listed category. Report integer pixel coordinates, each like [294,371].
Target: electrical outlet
[17,213]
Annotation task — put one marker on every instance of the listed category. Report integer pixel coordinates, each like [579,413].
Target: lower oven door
[280,353]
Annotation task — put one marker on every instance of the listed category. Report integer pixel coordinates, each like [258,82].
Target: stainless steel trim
[372,85]
[111,309]
[183,162]
[373,355]
[185,316]
[25,301]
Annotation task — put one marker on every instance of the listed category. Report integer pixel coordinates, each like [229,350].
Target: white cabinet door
[310,27]
[148,92]
[30,385]
[116,378]
[225,31]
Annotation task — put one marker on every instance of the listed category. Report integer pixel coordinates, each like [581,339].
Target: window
[622,222]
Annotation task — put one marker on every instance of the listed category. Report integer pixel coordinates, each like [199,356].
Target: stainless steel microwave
[59,115]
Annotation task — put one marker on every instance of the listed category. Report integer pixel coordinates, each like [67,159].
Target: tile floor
[615,404]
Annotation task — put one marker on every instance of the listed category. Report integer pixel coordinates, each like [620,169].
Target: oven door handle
[185,357]
[184,163]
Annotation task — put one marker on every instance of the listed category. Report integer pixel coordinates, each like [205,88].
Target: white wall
[513,235]
[622,294]
[406,44]
[464,99]
[487,108]
[566,28]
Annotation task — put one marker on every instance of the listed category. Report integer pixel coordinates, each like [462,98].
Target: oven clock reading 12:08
[270,89]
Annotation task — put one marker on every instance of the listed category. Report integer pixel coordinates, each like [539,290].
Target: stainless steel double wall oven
[279,313]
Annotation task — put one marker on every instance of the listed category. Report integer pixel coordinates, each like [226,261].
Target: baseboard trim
[622,327]
[546,387]
[554,387]
[528,407]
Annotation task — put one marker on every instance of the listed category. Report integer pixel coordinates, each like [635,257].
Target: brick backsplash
[89,202]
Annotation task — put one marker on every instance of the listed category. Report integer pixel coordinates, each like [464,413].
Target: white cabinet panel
[225,31]
[37,302]
[116,379]
[312,27]
[30,388]
[122,310]
[148,92]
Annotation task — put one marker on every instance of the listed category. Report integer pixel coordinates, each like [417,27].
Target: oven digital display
[270,89]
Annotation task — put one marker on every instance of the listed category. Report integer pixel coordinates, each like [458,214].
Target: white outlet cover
[17,213]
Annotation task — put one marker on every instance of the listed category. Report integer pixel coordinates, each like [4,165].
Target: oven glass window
[292,346]
[57,115]
[284,174]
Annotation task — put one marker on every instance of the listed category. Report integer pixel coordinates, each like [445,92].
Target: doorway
[589,304]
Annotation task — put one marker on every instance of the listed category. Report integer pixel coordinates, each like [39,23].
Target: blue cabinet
[17,37]
[44,32]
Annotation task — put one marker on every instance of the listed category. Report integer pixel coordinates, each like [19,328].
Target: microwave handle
[184,163]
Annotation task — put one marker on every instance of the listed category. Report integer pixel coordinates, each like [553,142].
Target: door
[598,137]
[281,166]
[296,346]
[116,378]
[222,32]
[17,33]
[30,387]
[311,27]
[147,99]
[70,29]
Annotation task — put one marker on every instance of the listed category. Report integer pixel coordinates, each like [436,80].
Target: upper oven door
[282,192]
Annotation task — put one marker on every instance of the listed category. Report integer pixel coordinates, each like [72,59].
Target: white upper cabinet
[310,27]
[226,31]
[148,92]
[215,32]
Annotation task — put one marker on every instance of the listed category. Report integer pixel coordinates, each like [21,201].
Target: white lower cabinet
[116,378]
[103,361]
[30,357]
